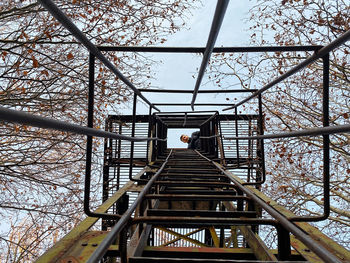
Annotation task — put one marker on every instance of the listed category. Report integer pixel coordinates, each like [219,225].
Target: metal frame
[210,128]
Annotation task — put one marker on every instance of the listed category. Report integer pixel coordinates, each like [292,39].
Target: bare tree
[294,166]
[44,70]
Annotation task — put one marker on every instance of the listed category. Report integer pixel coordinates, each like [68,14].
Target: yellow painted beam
[59,249]
[304,251]
[214,236]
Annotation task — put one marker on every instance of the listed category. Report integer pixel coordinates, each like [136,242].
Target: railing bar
[74,30]
[319,54]
[199,91]
[214,31]
[88,161]
[132,134]
[326,150]
[189,104]
[182,112]
[48,123]
[215,50]
[308,132]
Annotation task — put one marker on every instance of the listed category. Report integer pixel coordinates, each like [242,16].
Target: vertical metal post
[90,121]
[326,165]
[206,133]
[284,251]
[213,143]
[249,157]
[149,133]
[119,155]
[326,150]
[106,162]
[123,245]
[222,230]
[132,135]
[237,141]
[89,138]
[154,134]
[222,140]
[261,151]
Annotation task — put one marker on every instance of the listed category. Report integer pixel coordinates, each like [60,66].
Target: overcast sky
[176,70]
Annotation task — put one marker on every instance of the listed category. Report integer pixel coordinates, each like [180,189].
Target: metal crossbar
[220,11]
[20,117]
[215,50]
[308,132]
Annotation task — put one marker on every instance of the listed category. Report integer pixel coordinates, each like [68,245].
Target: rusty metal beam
[81,250]
[304,251]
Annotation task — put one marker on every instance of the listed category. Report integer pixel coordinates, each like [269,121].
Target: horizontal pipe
[195,197]
[189,104]
[308,132]
[215,50]
[182,112]
[48,123]
[199,91]
[74,30]
[317,55]
[179,118]
[164,220]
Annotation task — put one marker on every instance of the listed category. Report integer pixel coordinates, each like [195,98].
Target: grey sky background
[176,70]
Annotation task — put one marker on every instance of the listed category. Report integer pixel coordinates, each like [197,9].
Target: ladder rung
[203,213]
[172,197]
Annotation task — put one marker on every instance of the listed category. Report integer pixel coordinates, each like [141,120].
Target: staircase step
[198,191]
[189,197]
[194,183]
[202,213]
[195,260]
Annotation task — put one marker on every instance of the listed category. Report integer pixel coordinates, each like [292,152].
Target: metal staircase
[205,205]
[194,198]
[171,205]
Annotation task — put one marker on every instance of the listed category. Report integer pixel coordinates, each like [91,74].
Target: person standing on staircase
[194,142]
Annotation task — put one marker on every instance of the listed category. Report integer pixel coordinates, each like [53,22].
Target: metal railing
[214,31]
[320,52]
